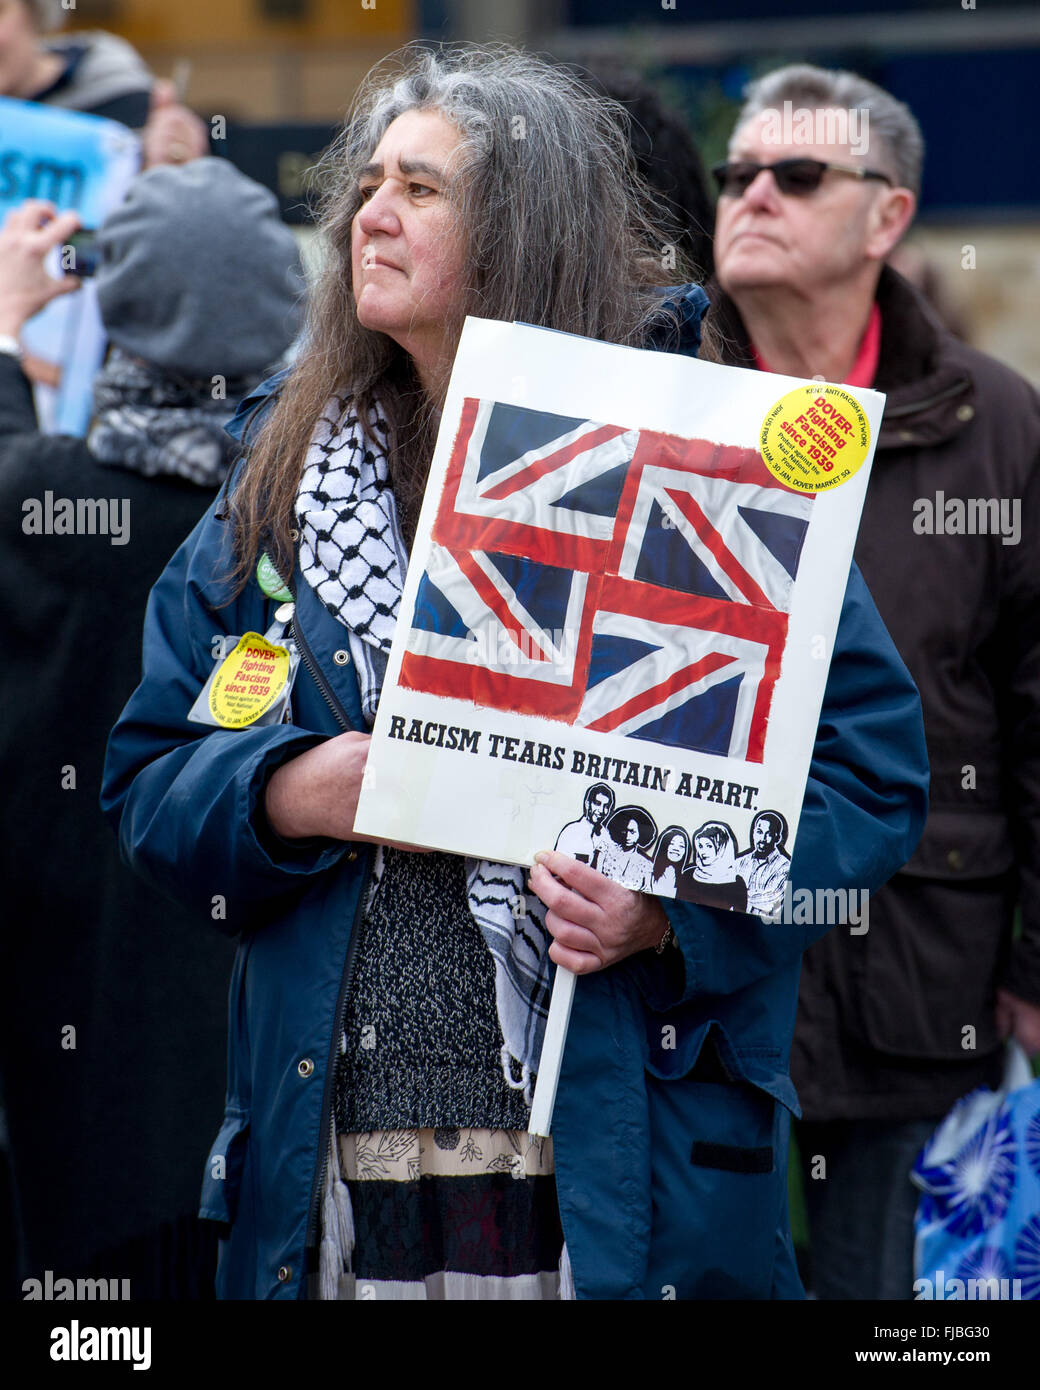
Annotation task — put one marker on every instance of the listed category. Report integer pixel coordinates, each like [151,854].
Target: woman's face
[707,850]
[676,849]
[407,253]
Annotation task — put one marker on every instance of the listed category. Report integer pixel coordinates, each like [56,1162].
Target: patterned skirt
[451,1214]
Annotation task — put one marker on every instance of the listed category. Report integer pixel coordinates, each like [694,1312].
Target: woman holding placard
[388,1006]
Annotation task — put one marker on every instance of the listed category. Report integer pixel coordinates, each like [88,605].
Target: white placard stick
[552,1052]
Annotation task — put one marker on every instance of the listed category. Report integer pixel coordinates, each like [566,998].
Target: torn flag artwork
[622,581]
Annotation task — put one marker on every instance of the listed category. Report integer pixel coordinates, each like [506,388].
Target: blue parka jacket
[670,1173]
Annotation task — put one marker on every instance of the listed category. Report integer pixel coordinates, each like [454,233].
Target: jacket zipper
[340,713]
[317,676]
[310,1236]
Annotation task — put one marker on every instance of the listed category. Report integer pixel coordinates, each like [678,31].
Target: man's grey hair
[900,146]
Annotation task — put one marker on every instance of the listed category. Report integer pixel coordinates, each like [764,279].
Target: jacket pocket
[704,1052]
[738,1095]
[223,1177]
[719,1126]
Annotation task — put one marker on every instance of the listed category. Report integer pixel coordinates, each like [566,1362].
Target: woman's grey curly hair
[559,232]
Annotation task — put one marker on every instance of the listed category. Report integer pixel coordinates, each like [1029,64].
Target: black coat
[884,1017]
[108,1138]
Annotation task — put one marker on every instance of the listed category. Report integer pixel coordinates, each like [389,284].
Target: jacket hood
[253,408]
[106,67]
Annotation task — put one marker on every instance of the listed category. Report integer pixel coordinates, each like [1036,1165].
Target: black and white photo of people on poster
[704,865]
[617,621]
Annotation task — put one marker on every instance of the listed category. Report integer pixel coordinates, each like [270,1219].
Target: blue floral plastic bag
[978,1218]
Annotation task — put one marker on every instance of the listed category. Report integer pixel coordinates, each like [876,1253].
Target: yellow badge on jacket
[248,681]
[815,437]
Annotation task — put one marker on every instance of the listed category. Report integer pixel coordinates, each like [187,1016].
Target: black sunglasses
[798,177]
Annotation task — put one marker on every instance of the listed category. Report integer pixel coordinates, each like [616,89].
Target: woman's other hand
[594,921]
[317,793]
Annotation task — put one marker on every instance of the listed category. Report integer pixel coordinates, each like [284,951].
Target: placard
[82,164]
[618,618]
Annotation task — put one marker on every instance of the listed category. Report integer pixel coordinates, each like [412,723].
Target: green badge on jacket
[271,581]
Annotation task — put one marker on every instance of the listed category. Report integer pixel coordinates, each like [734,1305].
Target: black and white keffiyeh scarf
[353,555]
[156,423]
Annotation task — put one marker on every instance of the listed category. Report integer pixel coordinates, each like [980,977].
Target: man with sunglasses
[897,1023]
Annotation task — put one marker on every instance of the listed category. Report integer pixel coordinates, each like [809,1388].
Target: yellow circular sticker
[248,681]
[815,437]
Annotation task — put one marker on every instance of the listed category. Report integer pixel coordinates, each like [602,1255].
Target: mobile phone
[81,254]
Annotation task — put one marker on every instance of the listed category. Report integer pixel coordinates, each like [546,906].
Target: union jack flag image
[620,580]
